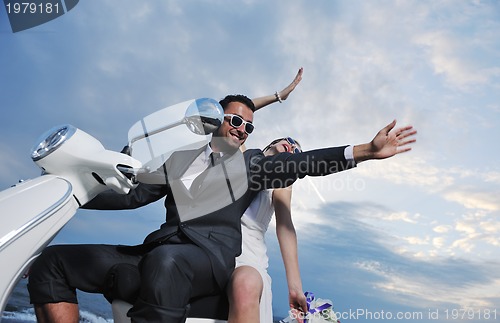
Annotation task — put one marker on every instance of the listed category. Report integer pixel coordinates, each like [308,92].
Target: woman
[250,297]
[249,291]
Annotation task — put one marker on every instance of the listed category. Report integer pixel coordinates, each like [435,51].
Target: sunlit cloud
[463,294]
[493,240]
[490,226]
[438,242]
[440,181]
[427,283]
[442,228]
[417,240]
[465,227]
[466,244]
[475,200]
[412,171]
[492,177]
[447,54]
[399,216]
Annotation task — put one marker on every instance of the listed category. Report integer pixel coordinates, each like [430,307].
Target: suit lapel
[230,171]
[180,162]
[176,166]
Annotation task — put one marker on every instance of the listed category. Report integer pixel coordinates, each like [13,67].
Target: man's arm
[142,195]
[281,170]
[387,143]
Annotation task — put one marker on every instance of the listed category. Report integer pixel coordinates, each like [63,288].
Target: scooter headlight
[51,140]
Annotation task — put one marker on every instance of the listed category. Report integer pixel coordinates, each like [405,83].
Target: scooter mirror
[204,116]
[183,126]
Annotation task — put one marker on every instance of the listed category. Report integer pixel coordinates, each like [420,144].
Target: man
[193,252]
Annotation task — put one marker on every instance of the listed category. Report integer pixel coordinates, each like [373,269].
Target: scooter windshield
[171,144]
[184,126]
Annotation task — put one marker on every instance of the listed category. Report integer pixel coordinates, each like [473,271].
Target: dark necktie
[214,158]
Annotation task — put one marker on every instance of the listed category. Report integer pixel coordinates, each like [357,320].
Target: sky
[416,235]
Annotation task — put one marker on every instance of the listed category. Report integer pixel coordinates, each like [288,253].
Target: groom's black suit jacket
[207,214]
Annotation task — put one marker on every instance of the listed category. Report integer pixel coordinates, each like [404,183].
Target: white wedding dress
[254,224]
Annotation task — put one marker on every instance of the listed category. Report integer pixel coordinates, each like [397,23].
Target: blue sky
[416,233]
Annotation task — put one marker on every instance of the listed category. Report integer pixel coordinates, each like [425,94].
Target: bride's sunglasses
[236,121]
[290,140]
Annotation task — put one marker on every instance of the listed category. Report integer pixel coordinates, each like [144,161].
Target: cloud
[490,226]
[405,225]
[399,216]
[443,51]
[464,244]
[463,186]
[472,199]
[434,293]
[401,279]
[438,242]
[442,228]
[453,53]
[417,240]
[477,232]
[465,227]
[413,171]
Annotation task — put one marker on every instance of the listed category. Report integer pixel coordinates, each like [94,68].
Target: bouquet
[318,311]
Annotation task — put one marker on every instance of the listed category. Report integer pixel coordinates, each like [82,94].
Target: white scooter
[76,167]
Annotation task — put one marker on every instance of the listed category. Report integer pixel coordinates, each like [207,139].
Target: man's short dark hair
[237,98]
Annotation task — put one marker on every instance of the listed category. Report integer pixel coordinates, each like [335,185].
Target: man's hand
[387,143]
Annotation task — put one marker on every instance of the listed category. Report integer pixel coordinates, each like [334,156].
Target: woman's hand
[298,303]
[286,91]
